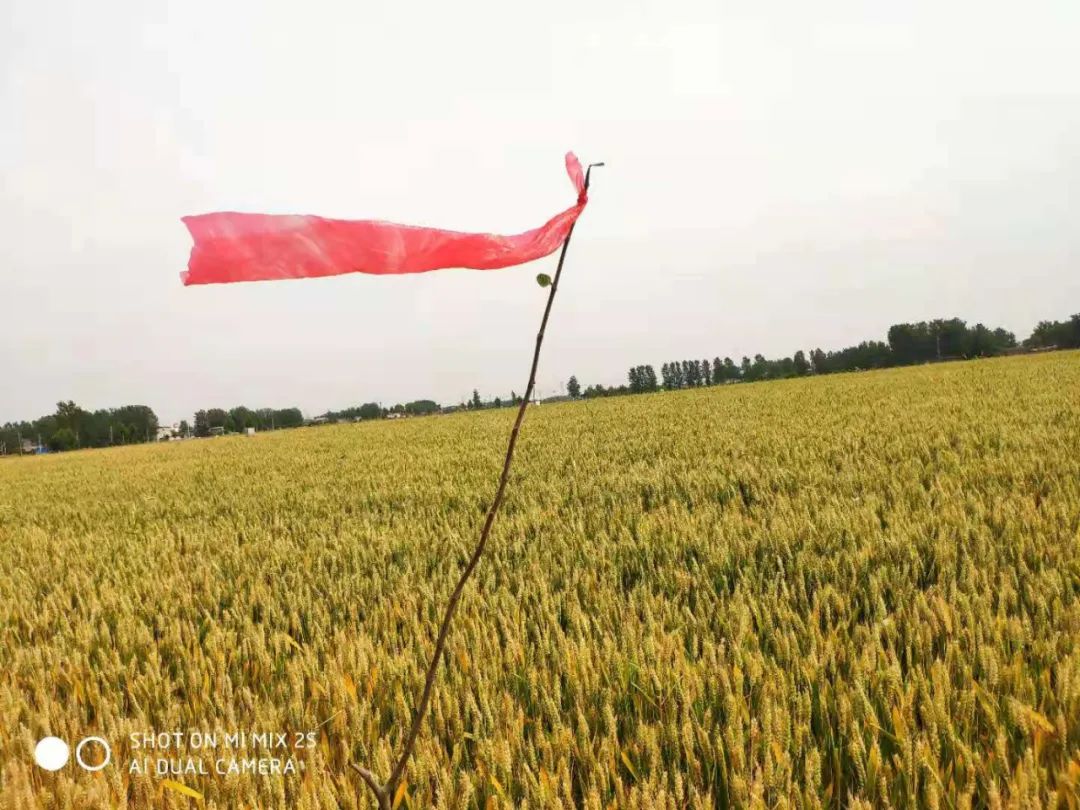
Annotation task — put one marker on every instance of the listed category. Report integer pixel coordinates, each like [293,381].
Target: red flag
[261,247]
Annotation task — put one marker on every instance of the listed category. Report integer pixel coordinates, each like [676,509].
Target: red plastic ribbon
[233,247]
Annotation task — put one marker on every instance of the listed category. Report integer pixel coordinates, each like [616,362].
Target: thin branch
[373,783]
[384,793]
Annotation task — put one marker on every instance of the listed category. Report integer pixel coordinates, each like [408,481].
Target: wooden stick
[385,793]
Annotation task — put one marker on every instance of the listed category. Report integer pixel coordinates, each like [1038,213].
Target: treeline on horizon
[238,419]
[905,344]
[72,427]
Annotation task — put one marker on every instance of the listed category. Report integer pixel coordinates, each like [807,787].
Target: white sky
[780,176]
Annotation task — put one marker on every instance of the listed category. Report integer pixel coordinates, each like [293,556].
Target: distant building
[249,431]
[217,430]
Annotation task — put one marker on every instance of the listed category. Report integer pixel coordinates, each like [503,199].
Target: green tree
[63,439]
[951,338]
[912,343]
[242,418]
[573,387]
[370,410]
[731,371]
[649,374]
[665,376]
[68,415]
[1005,339]
[1059,334]
[802,367]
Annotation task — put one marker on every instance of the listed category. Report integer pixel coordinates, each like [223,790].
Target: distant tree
[131,423]
[731,371]
[63,439]
[202,423]
[912,343]
[674,376]
[868,354]
[514,398]
[184,429]
[1005,340]
[760,367]
[746,369]
[951,338]
[475,403]
[642,379]
[68,415]
[1043,335]
[984,342]
[289,418]
[573,387]
[241,418]
[650,378]
[802,367]
[370,410]
[1060,334]
[783,368]
[498,402]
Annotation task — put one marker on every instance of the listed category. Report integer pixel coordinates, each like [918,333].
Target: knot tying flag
[232,247]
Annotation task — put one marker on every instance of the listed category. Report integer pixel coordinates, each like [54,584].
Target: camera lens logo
[52,753]
[79,753]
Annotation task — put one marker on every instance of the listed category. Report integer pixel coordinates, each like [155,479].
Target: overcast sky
[780,176]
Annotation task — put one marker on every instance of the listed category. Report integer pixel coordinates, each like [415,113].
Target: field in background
[820,592]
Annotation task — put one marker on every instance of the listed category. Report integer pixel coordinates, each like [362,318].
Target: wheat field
[850,591]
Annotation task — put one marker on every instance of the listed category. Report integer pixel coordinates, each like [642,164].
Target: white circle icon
[78,753]
[51,753]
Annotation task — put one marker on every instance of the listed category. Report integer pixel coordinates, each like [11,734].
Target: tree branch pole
[385,793]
